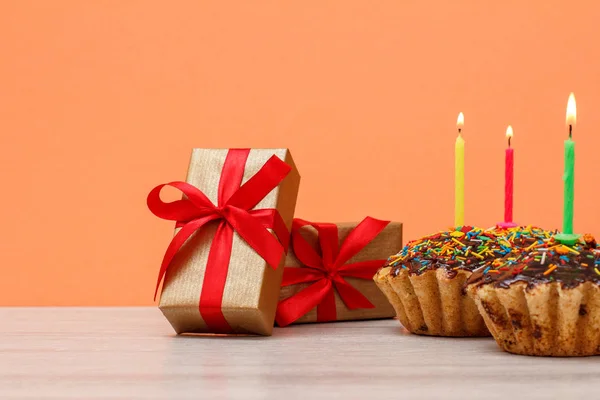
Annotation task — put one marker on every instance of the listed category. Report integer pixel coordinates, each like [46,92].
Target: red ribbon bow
[327,271]
[234,213]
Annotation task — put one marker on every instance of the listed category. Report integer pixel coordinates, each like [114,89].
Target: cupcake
[424,282]
[543,300]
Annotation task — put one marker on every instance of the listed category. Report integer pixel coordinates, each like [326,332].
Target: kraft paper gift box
[222,271]
[329,271]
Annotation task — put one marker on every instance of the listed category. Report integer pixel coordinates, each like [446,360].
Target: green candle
[567,236]
[569,178]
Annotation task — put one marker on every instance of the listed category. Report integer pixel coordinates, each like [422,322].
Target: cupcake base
[432,303]
[545,320]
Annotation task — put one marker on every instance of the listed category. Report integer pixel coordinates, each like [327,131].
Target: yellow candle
[459,174]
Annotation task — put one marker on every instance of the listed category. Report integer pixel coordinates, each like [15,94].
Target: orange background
[102,100]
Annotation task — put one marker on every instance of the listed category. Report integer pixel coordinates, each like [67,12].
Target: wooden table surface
[132,353]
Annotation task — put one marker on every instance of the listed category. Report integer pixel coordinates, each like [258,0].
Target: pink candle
[508,179]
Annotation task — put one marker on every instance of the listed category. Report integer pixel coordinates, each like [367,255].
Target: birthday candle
[508,178]
[567,236]
[459,174]
[569,175]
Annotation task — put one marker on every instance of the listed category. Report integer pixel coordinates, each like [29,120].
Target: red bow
[328,270]
[234,213]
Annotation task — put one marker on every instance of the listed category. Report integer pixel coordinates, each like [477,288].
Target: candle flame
[571,110]
[509,132]
[460,122]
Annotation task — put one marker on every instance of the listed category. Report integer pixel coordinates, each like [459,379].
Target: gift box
[222,271]
[329,271]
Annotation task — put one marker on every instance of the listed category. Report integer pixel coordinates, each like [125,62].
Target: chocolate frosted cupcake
[543,300]
[425,280]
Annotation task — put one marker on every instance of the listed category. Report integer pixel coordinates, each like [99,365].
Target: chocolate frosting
[568,265]
[463,248]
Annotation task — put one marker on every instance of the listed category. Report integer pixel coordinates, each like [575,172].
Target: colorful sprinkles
[548,261]
[466,248]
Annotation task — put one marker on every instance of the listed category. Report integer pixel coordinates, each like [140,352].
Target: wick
[509,141]
[570,131]
[459,130]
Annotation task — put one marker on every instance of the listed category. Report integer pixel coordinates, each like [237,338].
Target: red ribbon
[327,270]
[233,213]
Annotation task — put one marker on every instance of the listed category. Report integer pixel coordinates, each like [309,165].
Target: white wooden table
[131,353]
